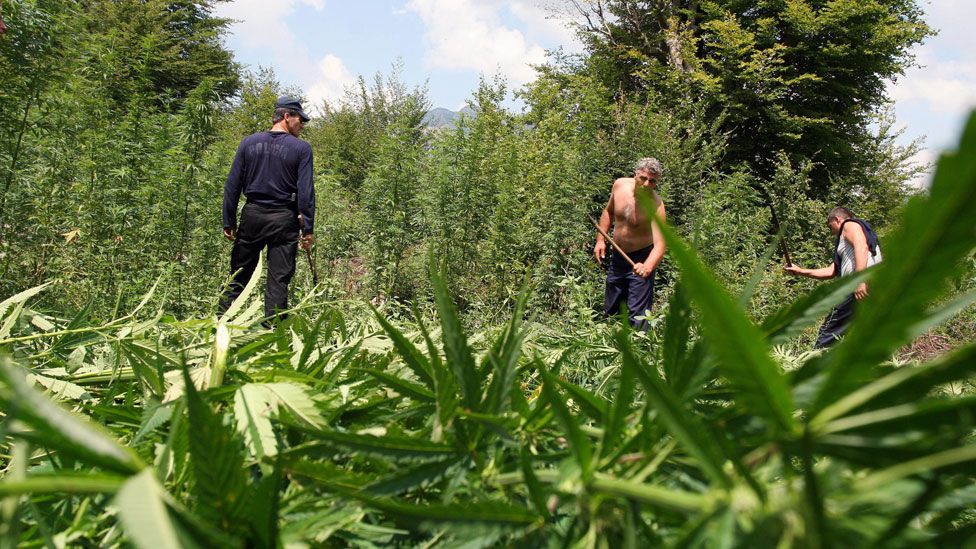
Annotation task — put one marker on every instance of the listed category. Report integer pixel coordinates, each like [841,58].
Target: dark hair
[840,213]
[279,114]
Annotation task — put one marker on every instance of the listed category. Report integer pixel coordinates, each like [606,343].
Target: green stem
[544,475]
[653,495]
[43,335]
[62,484]
[922,465]
[818,529]
[10,505]
[649,494]
[123,374]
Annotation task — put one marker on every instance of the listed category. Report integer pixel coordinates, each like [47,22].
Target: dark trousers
[623,285]
[277,228]
[836,323]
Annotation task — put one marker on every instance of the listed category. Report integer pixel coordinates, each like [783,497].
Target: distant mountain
[439,117]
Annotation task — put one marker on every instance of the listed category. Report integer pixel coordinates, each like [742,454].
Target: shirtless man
[638,236]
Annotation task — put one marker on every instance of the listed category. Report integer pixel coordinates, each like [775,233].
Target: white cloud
[488,36]
[257,21]
[253,18]
[934,97]
[924,157]
[258,25]
[943,86]
[470,34]
[331,81]
[547,22]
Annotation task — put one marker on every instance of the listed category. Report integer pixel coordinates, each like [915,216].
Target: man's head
[288,111]
[836,218]
[647,172]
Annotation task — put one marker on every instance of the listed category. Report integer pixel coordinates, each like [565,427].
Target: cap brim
[303,116]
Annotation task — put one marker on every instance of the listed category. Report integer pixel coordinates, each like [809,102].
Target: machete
[308,252]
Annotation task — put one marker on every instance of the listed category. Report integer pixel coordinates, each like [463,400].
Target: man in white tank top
[856,249]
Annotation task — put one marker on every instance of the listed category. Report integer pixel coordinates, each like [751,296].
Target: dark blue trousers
[276,228]
[623,285]
[836,323]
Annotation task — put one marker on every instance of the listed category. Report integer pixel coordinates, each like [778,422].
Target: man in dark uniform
[274,171]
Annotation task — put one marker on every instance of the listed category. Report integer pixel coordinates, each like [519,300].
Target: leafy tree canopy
[799,76]
[161,47]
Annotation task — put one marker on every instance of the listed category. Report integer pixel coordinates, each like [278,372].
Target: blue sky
[322,46]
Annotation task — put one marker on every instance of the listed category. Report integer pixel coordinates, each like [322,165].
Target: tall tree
[392,114]
[802,77]
[165,48]
[32,58]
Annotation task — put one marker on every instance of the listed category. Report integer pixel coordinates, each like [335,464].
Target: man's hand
[862,291]
[306,242]
[643,270]
[794,270]
[600,251]
[230,234]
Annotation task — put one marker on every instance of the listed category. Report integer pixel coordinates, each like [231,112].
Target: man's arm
[823,273]
[854,234]
[306,197]
[232,193]
[606,217]
[646,268]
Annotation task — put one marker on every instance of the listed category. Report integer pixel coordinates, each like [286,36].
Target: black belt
[290,206]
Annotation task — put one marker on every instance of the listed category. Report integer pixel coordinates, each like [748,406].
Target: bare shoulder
[853,231]
[622,182]
[658,203]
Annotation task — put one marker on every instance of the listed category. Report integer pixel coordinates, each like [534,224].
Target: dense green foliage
[118,132]
[481,402]
[343,427]
[104,145]
[795,77]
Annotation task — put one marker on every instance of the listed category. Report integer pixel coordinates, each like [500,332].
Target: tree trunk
[672,41]
[671,29]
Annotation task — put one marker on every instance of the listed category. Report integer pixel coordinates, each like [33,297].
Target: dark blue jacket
[273,169]
[869,235]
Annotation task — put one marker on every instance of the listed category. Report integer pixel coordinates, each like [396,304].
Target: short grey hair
[650,164]
[840,213]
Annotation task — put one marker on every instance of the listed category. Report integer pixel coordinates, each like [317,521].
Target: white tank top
[846,252]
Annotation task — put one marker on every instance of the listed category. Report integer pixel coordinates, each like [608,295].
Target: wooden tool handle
[612,243]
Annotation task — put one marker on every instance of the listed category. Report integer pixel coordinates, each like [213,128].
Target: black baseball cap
[287,102]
